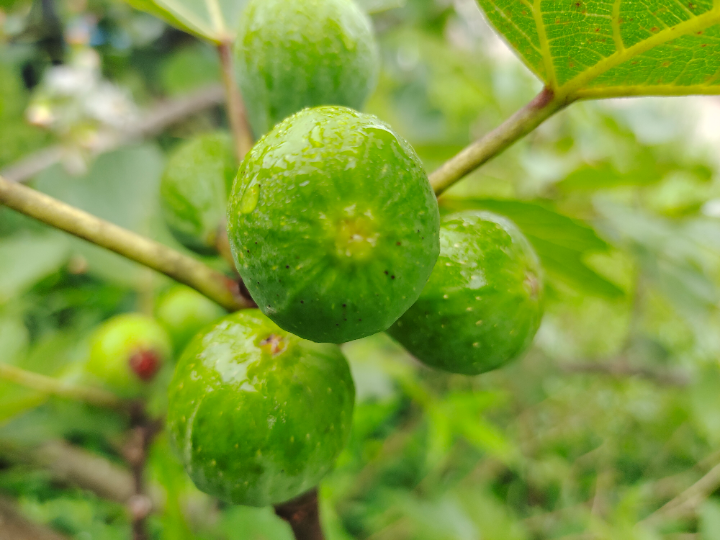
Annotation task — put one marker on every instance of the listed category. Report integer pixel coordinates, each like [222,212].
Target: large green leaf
[214,20]
[605,48]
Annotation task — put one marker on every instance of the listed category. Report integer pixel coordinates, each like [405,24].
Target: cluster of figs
[337,235]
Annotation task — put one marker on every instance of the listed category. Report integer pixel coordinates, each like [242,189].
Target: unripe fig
[127,352]
[333,225]
[259,415]
[194,189]
[183,312]
[483,302]
[303,53]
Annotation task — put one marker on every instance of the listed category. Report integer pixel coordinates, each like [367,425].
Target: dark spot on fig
[386,272]
[302,301]
[399,243]
[273,344]
[145,364]
[287,266]
[344,305]
[393,277]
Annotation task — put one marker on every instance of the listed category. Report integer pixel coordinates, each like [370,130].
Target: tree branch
[153,122]
[303,516]
[235,106]
[517,126]
[621,369]
[54,387]
[14,526]
[163,259]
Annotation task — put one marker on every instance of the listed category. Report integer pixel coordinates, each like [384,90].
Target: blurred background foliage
[608,428]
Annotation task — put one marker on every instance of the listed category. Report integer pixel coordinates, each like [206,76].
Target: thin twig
[517,126]
[14,526]
[235,106]
[151,123]
[163,259]
[55,387]
[303,516]
[622,370]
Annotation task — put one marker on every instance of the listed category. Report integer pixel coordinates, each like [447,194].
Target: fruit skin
[303,53]
[194,189]
[126,353]
[183,312]
[483,303]
[259,415]
[333,225]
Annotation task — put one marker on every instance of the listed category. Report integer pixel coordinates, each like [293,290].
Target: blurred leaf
[26,259]
[596,49]
[378,6]
[214,20]
[560,241]
[710,520]
[189,69]
[605,176]
[121,187]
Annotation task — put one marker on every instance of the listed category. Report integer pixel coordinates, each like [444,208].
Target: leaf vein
[544,44]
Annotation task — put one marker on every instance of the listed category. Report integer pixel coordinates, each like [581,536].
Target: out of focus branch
[303,516]
[621,370]
[14,526]
[151,123]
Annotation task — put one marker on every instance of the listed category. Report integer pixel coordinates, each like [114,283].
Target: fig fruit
[259,415]
[483,302]
[127,352]
[304,53]
[183,312]
[194,189]
[333,225]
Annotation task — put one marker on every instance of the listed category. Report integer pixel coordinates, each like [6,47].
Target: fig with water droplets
[126,354]
[304,53]
[259,415]
[333,225]
[483,302]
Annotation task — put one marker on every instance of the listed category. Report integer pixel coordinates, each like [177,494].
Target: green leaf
[214,20]
[560,241]
[378,6]
[606,48]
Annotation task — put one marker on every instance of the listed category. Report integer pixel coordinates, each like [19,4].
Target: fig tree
[483,302]
[259,415]
[333,225]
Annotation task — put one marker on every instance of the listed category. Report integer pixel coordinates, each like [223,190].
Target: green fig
[483,302]
[259,415]
[126,354]
[304,53]
[333,225]
[183,312]
[194,190]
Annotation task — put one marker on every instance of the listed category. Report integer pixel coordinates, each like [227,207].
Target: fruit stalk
[303,516]
[54,387]
[133,246]
[542,107]
[235,106]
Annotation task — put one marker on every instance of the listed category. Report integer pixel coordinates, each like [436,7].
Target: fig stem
[542,107]
[181,268]
[303,516]
[54,387]
[236,111]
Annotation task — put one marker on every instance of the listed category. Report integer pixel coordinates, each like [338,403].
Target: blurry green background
[612,414]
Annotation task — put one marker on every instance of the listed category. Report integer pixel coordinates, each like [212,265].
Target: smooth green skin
[303,53]
[183,312]
[483,303]
[194,189]
[115,342]
[259,424]
[333,225]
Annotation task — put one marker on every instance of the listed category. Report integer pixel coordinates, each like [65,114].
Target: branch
[621,369]
[14,526]
[235,106]
[303,516]
[517,126]
[55,387]
[147,252]
[153,122]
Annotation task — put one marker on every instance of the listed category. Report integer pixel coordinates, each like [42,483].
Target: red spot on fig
[145,364]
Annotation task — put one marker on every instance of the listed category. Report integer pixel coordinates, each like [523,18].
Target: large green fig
[127,352]
[333,225]
[183,312]
[259,415]
[303,53]
[483,302]
[194,189]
